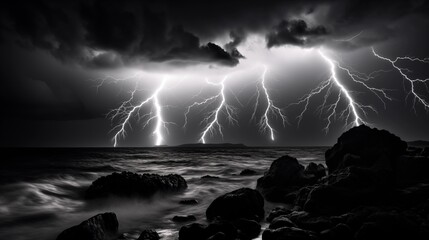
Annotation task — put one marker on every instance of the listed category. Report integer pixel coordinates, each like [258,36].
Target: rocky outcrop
[99,227]
[132,184]
[286,175]
[242,203]
[248,172]
[184,218]
[288,233]
[365,146]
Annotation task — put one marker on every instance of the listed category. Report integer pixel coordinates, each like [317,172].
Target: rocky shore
[374,187]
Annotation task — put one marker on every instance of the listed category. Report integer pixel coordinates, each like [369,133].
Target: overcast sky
[54,56]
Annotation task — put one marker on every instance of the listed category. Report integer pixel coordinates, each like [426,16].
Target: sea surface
[41,190]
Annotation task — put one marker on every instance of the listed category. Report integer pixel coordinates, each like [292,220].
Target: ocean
[41,189]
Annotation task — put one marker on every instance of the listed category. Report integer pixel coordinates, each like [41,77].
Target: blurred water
[41,190]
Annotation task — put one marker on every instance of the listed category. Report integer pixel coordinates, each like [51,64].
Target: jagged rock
[242,203]
[99,227]
[133,184]
[284,176]
[248,172]
[310,221]
[289,233]
[194,231]
[184,218]
[217,226]
[276,212]
[340,232]
[148,234]
[369,144]
[189,202]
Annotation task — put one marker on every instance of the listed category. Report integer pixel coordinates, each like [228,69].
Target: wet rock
[188,202]
[148,234]
[194,231]
[184,218]
[249,229]
[218,236]
[99,227]
[281,221]
[369,144]
[289,233]
[248,172]
[310,221]
[132,184]
[209,177]
[284,176]
[242,203]
[276,212]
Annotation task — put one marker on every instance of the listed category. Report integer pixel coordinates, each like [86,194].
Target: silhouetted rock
[369,144]
[194,231]
[312,222]
[148,234]
[248,229]
[248,172]
[284,176]
[184,218]
[189,202]
[288,233]
[133,184]
[242,203]
[276,212]
[411,170]
[209,177]
[99,227]
[221,226]
[318,170]
[218,236]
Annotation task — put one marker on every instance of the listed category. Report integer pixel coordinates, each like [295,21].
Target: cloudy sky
[65,65]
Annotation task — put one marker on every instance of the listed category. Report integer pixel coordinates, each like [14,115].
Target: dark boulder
[99,227]
[242,203]
[132,184]
[248,172]
[340,232]
[148,234]
[209,177]
[310,221]
[281,221]
[184,218]
[220,226]
[369,144]
[194,231]
[284,176]
[289,233]
[218,236]
[411,170]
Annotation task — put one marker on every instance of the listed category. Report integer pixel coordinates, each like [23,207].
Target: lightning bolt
[413,81]
[211,120]
[354,109]
[264,123]
[127,110]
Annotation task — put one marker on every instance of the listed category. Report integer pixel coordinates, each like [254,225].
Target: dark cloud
[237,36]
[295,32]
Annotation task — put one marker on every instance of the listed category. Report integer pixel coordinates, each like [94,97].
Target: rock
[310,221]
[248,172]
[281,221]
[99,227]
[133,184]
[217,226]
[284,176]
[242,203]
[369,144]
[194,231]
[340,232]
[425,152]
[289,233]
[188,202]
[249,229]
[318,170]
[276,212]
[184,218]
[148,234]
